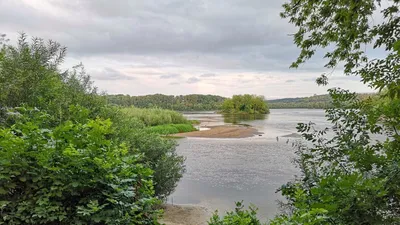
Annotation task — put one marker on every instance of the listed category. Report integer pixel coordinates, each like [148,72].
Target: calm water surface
[222,171]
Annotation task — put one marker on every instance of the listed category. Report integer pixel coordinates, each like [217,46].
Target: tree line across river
[197,102]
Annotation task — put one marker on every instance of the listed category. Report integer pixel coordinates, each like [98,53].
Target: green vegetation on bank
[66,157]
[172,128]
[161,121]
[179,103]
[155,116]
[245,104]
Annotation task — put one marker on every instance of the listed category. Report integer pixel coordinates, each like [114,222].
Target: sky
[176,47]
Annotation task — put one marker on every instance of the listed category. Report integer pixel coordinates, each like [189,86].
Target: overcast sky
[175,47]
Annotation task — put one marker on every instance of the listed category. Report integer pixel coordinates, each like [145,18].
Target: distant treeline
[197,102]
[192,102]
[313,102]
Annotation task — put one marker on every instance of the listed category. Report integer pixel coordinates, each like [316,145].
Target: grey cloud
[290,81]
[174,83]
[110,74]
[193,80]
[208,75]
[242,34]
[169,76]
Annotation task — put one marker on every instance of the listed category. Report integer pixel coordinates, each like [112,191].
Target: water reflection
[240,118]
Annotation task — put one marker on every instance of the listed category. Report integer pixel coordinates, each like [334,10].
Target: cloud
[169,76]
[243,34]
[110,74]
[241,46]
[193,80]
[208,75]
[290,81]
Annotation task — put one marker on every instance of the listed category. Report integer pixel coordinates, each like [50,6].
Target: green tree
[247,104]
[352,174]
[69,101]
[29,74]
[352,177]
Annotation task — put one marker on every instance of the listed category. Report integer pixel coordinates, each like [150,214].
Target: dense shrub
[72,165]
[70,174]
[158,153]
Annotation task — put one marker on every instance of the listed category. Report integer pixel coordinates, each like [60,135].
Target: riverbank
[185,215]
[225,131]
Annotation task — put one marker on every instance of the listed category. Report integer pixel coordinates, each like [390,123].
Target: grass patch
[194,122]
[171,128]
[155,117]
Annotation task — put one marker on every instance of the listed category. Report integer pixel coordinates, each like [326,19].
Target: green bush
[158,153]
[237,217]
[70,174]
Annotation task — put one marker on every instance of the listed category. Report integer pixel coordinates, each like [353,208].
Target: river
[222,171]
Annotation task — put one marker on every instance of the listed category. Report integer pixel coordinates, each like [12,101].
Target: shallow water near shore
[222,171]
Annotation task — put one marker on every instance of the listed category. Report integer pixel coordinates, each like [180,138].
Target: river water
[222,171]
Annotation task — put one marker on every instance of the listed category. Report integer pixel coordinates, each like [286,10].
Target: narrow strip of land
[226,131]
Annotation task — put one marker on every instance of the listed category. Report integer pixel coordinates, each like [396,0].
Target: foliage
[161,157]
[29,75]
[158,153]
[155,116]
[71,105]
[239,216]
[180,103]
[350,173]
[171,129]
[248,104]
[70,174]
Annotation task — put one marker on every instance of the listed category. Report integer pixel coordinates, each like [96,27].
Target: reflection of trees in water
[239,118]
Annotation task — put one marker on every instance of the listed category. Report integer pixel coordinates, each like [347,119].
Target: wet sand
[185,215]
[225,131]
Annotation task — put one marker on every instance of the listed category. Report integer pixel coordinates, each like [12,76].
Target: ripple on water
[222,171]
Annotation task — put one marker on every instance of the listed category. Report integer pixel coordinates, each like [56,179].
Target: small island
[245,104]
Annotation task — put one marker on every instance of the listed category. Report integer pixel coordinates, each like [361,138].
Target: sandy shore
[185,215]
[225,131]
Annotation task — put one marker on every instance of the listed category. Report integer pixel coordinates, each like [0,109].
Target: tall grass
[171,129]
[155,117]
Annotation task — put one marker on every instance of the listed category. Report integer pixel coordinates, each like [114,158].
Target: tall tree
[352,176]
